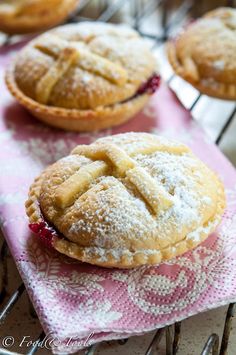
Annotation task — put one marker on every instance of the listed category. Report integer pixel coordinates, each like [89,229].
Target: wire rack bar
[195,102]
[35,346]
[6,352]
[212,345]
[180,14]
[147,9]
[226,126]
[155,341]
[91,350]
[177,334]
[11,302]
[227,328]
[111,10]
[169,345]
[82,5]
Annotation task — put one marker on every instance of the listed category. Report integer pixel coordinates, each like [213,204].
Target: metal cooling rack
[135,11]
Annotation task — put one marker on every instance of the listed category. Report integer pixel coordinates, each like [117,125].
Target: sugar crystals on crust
[126,200]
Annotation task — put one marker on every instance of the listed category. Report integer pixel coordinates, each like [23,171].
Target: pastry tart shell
[26,24]
[208,86]
[78,120]
[127,259]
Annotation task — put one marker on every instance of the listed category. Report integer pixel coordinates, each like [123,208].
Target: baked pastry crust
[126,200]
[27,16]
[205,54]
[83,77]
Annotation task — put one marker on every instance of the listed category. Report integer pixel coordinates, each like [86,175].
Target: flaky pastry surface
[204,54]
[83,75]
[128,200]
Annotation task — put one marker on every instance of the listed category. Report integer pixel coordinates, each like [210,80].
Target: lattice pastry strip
[46,84]
[86,59]
[122,166]
[99,151]
[154,194]
[79,182]
[52,45]
[120,160]
[69,53]
[101,66]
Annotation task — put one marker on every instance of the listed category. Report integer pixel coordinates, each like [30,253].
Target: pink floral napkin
[79,304]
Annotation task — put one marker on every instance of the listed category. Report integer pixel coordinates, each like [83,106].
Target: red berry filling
[150,86]
[44,231]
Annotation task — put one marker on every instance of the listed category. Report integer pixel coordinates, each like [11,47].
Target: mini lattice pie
[205,54]
[26,16]
[85,76]
[126,200]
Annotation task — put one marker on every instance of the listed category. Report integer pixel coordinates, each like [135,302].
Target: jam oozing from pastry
[44,231]
[150,86]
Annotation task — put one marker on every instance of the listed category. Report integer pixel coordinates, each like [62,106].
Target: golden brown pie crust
[204,54]
[82,77]
[28,16]
[128,200]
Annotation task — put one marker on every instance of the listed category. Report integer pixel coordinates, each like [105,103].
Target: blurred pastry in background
[204,54]
[27,16]
[85,76]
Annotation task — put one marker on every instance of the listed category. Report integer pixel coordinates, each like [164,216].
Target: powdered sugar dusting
[110,215]
[117,254]
[170,170]
[219,64]
[116,216]
[109,64]
[196,234]
[210,82]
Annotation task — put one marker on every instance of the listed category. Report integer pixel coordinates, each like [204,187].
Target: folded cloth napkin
[80,304]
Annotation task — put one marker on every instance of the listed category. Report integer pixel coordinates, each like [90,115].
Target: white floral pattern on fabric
[163,290]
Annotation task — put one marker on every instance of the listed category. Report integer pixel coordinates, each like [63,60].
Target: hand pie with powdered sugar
[204,54]
[126,200]
[85,76]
